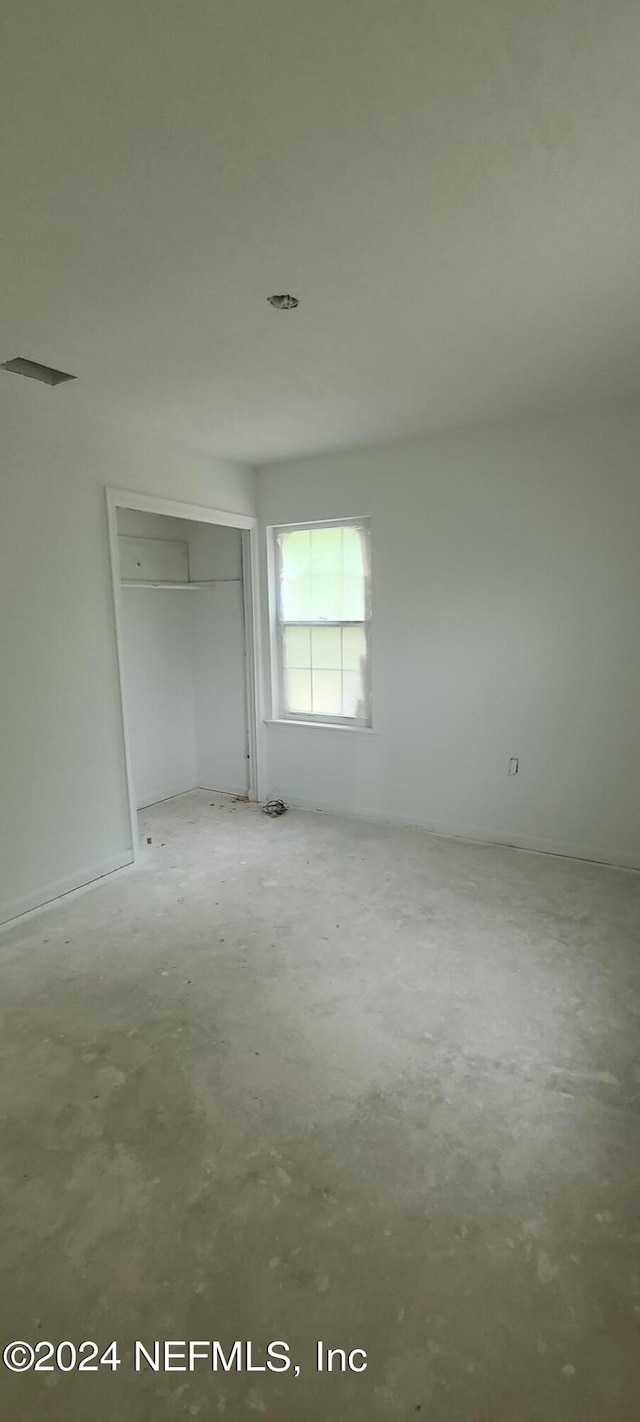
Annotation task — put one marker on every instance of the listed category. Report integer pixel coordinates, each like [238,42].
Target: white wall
[220,693]
[220,689]
[64,808]
[158,647]
[506,622]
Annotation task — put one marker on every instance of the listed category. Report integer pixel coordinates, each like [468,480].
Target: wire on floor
[273,808]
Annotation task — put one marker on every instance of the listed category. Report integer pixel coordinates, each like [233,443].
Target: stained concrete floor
[309,1079]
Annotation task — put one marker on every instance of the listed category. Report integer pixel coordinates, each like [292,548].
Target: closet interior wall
[183,652]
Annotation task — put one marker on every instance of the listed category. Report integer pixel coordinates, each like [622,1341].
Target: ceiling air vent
[34,371]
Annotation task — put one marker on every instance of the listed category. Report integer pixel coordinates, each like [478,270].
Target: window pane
[353,598]
[295,553]
[295,573]
[322,572]
[327,693]
[353,695]
[295,599]
[326,647]
[297,690]
[354,647]
[326,550]
[326,596]
[297,646]
[352,551]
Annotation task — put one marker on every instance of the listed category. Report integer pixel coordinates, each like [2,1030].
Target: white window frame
[309,717]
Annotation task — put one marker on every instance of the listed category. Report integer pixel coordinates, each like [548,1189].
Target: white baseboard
[218,789]
[15,909]
[224,789]
[615,859]
[161,795]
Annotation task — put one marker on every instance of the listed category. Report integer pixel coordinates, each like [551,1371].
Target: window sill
[320,725]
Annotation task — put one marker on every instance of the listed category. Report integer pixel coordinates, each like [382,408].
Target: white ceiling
[451,188]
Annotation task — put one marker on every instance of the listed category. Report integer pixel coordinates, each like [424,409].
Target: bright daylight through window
[323,613]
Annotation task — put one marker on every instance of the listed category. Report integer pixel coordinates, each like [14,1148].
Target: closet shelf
[150,583]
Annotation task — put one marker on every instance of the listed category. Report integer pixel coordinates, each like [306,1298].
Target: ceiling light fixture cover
[19,365]
[283,303]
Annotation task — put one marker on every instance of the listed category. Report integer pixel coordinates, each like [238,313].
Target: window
[323,618]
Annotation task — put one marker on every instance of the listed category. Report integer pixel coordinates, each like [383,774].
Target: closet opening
[186,628]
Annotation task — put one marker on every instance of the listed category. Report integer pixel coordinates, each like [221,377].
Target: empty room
[320,708]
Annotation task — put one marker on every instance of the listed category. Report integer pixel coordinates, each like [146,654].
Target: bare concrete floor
[312,1079]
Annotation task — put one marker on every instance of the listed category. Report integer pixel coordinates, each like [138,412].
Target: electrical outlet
[514,765]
